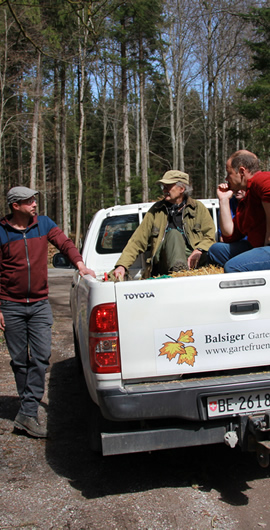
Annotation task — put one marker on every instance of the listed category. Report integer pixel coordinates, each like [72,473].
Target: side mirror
[61,262]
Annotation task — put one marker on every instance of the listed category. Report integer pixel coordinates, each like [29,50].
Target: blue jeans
[28,325]
[240,256]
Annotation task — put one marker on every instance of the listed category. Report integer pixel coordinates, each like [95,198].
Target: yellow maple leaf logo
[186,353]
[171,349]
[186,336]
[188,356]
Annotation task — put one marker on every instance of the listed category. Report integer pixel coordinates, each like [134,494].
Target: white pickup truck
[170,362]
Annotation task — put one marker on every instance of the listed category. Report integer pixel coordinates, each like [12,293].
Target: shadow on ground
[9,406]
[67,451]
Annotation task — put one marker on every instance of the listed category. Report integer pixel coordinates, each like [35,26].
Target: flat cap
[173,176]
[19,193]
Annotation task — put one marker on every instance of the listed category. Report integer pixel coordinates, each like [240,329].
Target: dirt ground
[60,484]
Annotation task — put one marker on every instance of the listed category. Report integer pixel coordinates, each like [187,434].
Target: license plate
[242,403]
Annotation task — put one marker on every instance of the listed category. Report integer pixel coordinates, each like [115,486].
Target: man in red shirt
[252,218]
[25,313]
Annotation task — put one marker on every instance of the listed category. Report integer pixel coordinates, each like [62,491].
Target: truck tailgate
[193,324]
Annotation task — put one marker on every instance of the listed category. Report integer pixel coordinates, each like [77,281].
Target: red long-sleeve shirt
[250,219]
[24,258]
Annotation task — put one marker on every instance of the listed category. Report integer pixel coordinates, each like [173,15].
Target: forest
[98,98]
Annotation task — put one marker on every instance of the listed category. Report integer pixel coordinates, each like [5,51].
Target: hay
[209,269]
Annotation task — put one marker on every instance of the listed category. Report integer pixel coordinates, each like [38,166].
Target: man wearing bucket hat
[179,229]
[25,313]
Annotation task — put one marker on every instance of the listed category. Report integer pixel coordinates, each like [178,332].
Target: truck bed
[173,361]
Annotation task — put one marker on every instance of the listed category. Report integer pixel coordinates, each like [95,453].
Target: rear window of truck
[115,232]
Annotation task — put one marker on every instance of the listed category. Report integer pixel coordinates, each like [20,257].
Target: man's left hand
[194,259]
[83,270]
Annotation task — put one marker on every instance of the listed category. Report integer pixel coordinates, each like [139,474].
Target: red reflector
[107,359]
[104,355]
[103,347]
[104,319]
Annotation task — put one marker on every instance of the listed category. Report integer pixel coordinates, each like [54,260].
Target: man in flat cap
[25,313]
[179,229]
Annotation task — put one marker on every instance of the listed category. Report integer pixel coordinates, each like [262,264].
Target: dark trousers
[28,338]
[171,250]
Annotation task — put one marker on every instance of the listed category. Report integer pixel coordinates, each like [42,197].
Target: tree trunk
[42,168]
[58,202]
[34,140]
[19,141]
[103,151]
[179,124]
[137,128]
[64,156]
[171,106]
[3,70]
[142,128]
[210,99]
[78,166]
[125,122]
[180,96]
[115,145]
[224,125]
[82,53]
[216,139]
[204,190]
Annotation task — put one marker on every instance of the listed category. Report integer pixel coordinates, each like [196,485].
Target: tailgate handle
[237,308]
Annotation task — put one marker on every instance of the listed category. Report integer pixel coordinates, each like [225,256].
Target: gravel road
[60,484]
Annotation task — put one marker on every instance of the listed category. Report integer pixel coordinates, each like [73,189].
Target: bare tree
[34,140]
[82,63]
[143,129]
[42,167]
[104,136]
[64,155]
[124,90]
[3,72]
[57,142]
[219,41]
[178,63]
[115,139]
[136,119]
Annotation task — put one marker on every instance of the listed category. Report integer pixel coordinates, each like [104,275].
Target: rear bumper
[171,415]
[185,400]
[135,441]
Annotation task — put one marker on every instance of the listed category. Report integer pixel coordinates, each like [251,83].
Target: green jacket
[198,227]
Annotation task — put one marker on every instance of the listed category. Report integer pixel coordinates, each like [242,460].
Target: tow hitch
[258,427]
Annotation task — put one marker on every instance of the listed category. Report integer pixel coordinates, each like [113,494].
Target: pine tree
[255,104]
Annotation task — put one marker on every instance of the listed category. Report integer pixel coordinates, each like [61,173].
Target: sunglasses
[28,201]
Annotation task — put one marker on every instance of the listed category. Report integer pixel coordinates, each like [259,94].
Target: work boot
[179,266]
[30,424]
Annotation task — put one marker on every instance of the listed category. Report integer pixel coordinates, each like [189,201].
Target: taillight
[104,340]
